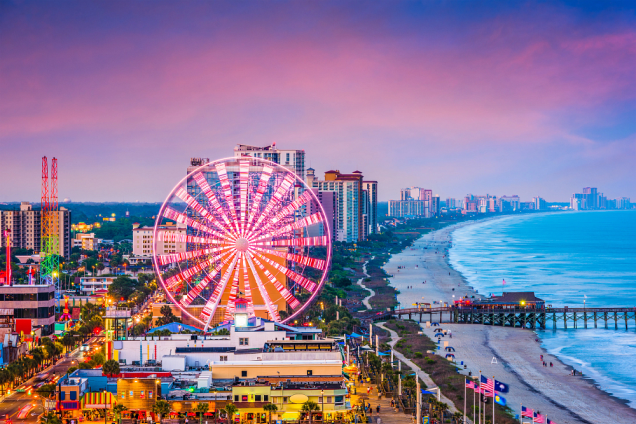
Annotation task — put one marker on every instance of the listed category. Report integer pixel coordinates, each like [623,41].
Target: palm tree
[161,408]
[230,409]
[458,417]
[118,409]
[269,408]
[201,408]
[310,407]
[110,368]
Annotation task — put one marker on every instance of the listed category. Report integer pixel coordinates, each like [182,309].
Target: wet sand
[510,354]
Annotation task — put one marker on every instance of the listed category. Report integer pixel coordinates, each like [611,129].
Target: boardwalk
[520,318]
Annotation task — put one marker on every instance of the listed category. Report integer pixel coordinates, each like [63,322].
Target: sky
[527,98]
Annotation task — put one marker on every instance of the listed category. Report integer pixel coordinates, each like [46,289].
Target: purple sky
[528,98]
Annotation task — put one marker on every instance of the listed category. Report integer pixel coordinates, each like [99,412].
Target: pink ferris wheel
[241,230]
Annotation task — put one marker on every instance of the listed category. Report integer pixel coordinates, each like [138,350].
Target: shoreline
[551,390]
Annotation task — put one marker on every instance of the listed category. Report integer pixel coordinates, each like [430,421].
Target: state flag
[501,387]
[500,400]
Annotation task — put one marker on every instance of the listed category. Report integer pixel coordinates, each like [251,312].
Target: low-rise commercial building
[34,305]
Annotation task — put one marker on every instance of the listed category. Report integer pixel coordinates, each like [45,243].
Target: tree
[118,409]
[310,407]
[458,417]
[51,418]
[161,408]
[110,368]
[230,409]
[98,359]
[269,408]
[201,408]
[122,286]
[167,316]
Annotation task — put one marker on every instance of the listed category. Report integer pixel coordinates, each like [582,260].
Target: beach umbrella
[450,349]
[439,335]
[438,330]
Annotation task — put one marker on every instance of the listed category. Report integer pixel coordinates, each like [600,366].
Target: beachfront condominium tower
[451,204]
[294,160]
[371,188]
[539,203]
[356,203]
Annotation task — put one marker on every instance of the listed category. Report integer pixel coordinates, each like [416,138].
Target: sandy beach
[510,354]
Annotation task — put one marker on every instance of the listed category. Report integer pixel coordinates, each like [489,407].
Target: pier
[528,318]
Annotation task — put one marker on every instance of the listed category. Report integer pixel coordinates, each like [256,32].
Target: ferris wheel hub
[242,244]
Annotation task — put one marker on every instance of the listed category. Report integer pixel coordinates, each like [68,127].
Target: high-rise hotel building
[25,229]
[355,210]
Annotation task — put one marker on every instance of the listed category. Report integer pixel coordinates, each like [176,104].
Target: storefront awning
[291,416]
[97,400]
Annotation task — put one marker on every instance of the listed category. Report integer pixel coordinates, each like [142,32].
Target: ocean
[568,259]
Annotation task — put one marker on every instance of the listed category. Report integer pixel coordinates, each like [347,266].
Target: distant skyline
[527,98]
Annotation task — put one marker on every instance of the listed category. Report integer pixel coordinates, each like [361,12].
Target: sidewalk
[387,414]
[421,374]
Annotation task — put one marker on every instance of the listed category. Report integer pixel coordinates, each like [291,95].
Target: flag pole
[479,408]
[493,399]
[474,410]
[464,400]
[521,414]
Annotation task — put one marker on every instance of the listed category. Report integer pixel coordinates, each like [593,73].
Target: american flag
[538,418]
[549,421]
[527,412]
[488,384]
[470,384]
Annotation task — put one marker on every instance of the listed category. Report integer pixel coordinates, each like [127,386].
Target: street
[12,404]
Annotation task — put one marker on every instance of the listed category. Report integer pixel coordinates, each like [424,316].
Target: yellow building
[253,369]
[251,397]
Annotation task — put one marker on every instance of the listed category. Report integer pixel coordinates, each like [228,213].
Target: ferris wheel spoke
[273,312]
[213,302]
[174,237]
[184,219]
[260,190]
[289,298]
[230,308]
[301,223]
[287,210]
[227,192]
[246,285]
[207,190]
[276,199]
[244,169]
[305,283]
[192,294]
[183,256]
[319,264]
[188,273]
[299,241]
[196,206]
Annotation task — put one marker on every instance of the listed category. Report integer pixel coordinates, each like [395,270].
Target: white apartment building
[143,240]
[25,230]
[86,241]
[91,285]
[294,160]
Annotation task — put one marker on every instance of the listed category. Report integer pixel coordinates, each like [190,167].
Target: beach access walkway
[365,301]
[428,381]
[387,414]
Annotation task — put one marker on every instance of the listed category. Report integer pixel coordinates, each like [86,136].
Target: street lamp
[322,401]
